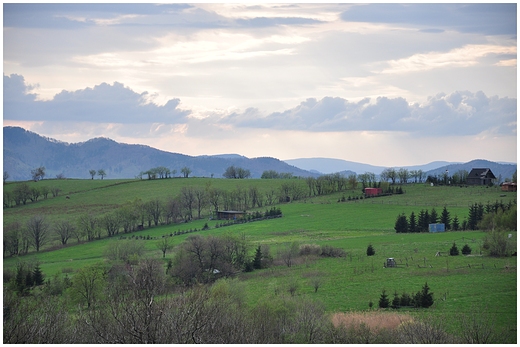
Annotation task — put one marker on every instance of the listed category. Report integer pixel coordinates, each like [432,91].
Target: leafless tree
[38,231]
[65,230]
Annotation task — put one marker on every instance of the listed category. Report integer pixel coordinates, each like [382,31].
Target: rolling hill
[25,150]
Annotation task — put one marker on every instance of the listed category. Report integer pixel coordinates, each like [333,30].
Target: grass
[460,283]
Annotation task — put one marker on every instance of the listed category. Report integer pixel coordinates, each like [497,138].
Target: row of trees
[420,223]
[23,193]
[192,202]
[423,298]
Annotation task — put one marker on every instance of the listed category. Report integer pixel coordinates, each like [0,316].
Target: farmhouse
[508,187]
[480,177]
[229,215]
[373,191]
[436,227]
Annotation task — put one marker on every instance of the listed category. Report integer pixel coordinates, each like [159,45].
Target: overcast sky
[382,84]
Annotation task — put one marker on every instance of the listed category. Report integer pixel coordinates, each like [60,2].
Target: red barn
[373,191]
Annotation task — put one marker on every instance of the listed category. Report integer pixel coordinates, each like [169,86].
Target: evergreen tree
[406,300]
[412,224]
[433,216]
[426,296]
[466,249]
[454,250]
[383,300]
[370,250]
[445,218]
[401,224]
[396,302]
[37,276]
[420,221]
[257,262]
[455,224]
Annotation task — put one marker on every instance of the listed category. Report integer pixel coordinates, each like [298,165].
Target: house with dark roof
[481,177]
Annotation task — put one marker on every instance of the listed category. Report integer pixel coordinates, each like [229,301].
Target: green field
[461,284]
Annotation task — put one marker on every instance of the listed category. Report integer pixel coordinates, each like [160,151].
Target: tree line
[487,217]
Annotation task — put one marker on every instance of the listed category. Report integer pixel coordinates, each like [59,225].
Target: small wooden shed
[230,215]
[509,187]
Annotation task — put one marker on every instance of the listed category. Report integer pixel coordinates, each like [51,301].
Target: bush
[454,250]
[333,252]
[497,244]
[466,250]
[310,249]
[370,250]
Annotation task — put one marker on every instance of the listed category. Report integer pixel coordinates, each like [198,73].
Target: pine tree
[455,224]
[406,300]
[426,296]
[370,250]
[412,224]
[401,224]
[454,250]
[433,216]
[466,249]
[383,300]
[396,302]
[37,276]
[257,262]
[445,218]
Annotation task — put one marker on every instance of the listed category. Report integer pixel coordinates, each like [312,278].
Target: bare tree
[87,222]
[6,176]
[201,199]
[101,173]
[92,173]
[65,230]
[165,244]
[37,230]
[188,199]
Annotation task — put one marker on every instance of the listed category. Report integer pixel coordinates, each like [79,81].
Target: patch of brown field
[373,320]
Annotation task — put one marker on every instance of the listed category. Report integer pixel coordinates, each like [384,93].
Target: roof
[481,173]
[230,212]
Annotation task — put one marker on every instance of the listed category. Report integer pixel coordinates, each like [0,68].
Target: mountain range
[25,150]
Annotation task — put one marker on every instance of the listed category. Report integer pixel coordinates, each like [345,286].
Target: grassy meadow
[461,284]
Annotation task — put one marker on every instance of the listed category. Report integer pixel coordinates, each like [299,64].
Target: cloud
[458,113]
[488,19]
[466,56]
[104,103]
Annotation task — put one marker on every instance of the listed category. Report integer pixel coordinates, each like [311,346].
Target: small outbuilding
[480,177]
[373,191]
[230,215]
[508,187]
[436,227]
[390,262]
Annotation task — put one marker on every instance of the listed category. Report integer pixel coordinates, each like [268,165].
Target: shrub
[454,250]
[333,252]
[466,249]
[310,249]
[370,250]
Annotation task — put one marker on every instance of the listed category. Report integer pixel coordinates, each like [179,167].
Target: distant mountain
[326,166]
[25,150]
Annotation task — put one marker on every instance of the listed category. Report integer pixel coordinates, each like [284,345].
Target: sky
[381,84]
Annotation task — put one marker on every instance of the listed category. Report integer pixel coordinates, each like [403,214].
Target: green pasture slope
[461,284]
